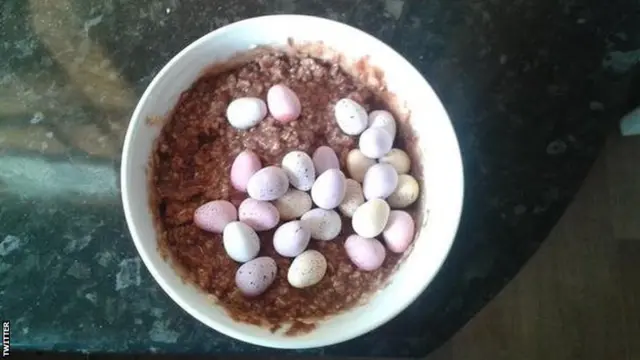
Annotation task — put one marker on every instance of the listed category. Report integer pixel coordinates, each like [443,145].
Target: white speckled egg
[244,166]
[365,253]
[380,181]
[244,113]
[398,234]
[324,158]
[383,119]
[307,269]
[353,198]
[268,184]
[370,218]
[398,159]
[254,277]
[291,238]
[350,116]
[293,204]
[358,164]
[283,103]
[328,190]
[375,143]
[240,241]
[215,215]
[260,215]
[406,193]
[299,169]
[324,224]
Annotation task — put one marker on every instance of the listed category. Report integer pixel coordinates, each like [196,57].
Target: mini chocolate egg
[406,193]
[324,158]
[291,238]
[383,119]
[350,116]
[240,241]
[255,276]
[307,269]
[398,234]
[380,181]
[398,159]
[268,184]
[365,253]
[358,164]
[328,190]
[353,198]
[215,215]
[244,166]
[244,113]
[370,218]
[283,103]
[375,143]
[260,215]
[293,204]
[323,224]
[299,169]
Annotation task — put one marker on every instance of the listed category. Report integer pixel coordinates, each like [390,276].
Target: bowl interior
[442,174]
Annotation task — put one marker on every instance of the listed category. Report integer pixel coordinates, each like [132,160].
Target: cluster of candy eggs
[288,192]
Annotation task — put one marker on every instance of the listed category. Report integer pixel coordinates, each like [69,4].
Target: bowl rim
[348,333]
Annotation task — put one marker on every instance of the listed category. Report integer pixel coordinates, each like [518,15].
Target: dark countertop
[532,87]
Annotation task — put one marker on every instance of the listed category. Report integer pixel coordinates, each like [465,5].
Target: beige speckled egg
[358,164]
[307,269]
[268,184]
[299,169]
[351,117]
[324,224]
[353,198]
[398,159]
[260,215]
[406,192]
[370,219]
[384,120]
[293,204]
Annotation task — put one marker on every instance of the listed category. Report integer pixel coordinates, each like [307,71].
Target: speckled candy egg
[384,120]
[358,164]
[329,189]
[260,215]
[398,234]
[324,158]
[307,269]
[293,204]
[406,193]
[215,215]
[268,184]
[283,103]
[350,116]
[323,224]
[244,166]
[371,218]
[240,241]
[291,238]
[353,198]
[380,181]
[398,159]
[254,277]
[244,113]
[299,169]
[365,253]
[375,143]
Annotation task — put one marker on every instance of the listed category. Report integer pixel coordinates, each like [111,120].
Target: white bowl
[442,175]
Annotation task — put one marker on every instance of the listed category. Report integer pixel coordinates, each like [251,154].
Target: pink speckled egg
[254,277]
[215,215]
[244,166]
[380,181]
[329,189]
[283,103]
[366,254]
[260,215]
[324,158]
[398,234]
[268,184]
[291,238]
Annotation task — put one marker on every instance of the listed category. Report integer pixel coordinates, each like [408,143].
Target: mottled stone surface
[532,88]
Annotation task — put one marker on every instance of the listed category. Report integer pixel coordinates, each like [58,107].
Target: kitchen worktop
[532,88]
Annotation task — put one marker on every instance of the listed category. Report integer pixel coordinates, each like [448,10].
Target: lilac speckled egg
[380,181]
[283,103]
[323,224]
[307,269]
[268,184]
[293,204]
[244,166]
[299,169]
[367,254]
[244,113]
[215,215]
[329,189]
[324,158]
[291,239]
[384,120]
[240,241]
[375,143]
[260,215]
[398,234]
[350,116]
[254,277]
